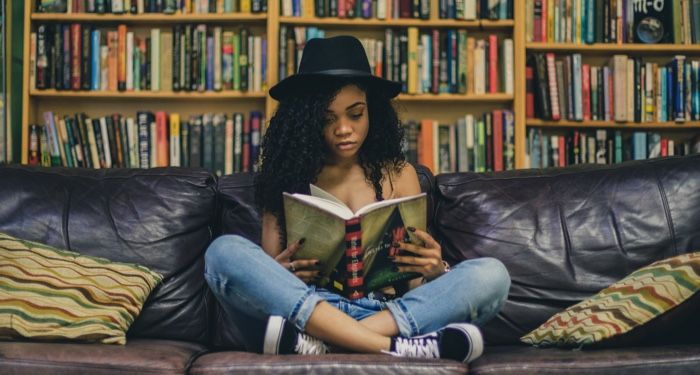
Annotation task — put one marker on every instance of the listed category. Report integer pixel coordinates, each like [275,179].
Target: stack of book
[477,144]
[221,143]
[425,61]
[187,57]
[627,89]
[613,21]
[152,6]
[602,146]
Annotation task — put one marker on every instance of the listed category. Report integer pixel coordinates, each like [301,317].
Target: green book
[342,239]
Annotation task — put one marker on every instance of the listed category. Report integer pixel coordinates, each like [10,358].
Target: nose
[343,127]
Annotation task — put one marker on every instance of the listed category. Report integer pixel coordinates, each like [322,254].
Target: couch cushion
[565,234]
[653,301]
[522,360]
[248,363]
[239,215]
[51,294]
[160,218]
[138,356]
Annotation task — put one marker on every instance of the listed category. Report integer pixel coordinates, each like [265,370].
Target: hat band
[340,72]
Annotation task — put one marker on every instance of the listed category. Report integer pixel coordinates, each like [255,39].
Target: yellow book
[166,60]
[354,248]
[174,139]
[412,60]
[245,6]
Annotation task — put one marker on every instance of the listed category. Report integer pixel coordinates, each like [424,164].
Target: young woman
[335,127]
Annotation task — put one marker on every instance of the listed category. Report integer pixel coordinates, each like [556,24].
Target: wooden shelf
[612,124]
[456,97]
[401,22]
[601,48]
[207,95]
[149,18]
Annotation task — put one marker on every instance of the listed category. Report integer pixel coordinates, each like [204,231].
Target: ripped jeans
[250,285]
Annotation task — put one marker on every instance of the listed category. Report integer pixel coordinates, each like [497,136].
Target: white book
[629,95]
[140,8]
[508,65]
[619,67]
[92,141]
[671,148]
[228,146]
[130,61]
[479,67]
[469,9]
[133,141]
[381,9]
[105,142]
[154,145]
[155,60]
[117,6]
[287,9]
[577,91]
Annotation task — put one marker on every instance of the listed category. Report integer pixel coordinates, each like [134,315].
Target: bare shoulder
[406,181]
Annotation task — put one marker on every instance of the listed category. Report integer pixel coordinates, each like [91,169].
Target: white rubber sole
[476,340]
[273,335]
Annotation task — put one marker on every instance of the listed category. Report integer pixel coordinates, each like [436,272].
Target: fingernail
[301,241]
[412,229]
[395,244]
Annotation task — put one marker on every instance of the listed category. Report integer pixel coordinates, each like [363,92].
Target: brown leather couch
[563,234]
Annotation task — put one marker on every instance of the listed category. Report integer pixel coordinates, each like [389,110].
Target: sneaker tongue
[309,345]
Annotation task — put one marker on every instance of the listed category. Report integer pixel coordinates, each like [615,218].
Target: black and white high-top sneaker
[459,341]
[282,337]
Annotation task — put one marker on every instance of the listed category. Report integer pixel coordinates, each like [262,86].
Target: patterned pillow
[50,294]
[646,301]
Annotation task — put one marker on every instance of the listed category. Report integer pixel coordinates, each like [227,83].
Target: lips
[346,145]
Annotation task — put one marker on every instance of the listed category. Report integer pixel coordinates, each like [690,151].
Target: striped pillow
[647,297]
[50,294]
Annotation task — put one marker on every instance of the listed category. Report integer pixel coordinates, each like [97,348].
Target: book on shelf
[618,21]
[82,56]
[152,6]
[603,146]
[354,248]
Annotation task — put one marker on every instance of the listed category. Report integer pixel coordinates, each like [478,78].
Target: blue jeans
[251,286]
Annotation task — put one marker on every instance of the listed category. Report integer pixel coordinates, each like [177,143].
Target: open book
[354,248]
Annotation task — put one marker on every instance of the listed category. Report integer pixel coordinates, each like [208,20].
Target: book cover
[363,264]
[653,21]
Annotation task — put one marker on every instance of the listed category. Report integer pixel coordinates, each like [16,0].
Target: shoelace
[425,347]
[309,345]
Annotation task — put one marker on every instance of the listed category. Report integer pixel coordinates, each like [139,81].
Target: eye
[356,116]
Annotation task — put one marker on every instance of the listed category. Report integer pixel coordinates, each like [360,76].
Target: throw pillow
[51,294]
[645,304]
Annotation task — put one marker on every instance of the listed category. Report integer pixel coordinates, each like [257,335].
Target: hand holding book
[305,269]
[424,259]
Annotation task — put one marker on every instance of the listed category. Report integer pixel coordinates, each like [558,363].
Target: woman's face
[347,123]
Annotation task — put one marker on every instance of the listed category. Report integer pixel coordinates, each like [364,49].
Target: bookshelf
[441,107]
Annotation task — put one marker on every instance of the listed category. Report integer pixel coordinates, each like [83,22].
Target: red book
[354,281]
[497,140]
[586,91]
[553,88]
[537,21]
[562,151]
[76,37]
[664,147]
[529,93]
[493,63]
[405,9]
[543,31]
[162,141]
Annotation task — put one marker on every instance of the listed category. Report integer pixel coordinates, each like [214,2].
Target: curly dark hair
[294,151]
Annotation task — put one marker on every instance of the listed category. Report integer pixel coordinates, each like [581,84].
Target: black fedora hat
[337,57]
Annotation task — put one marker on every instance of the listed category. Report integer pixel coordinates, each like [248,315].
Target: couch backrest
[160,218]
[565,234]
[239,215]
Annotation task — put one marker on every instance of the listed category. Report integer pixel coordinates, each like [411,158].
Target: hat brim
[298,82]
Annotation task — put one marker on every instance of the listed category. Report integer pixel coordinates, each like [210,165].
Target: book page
[388,202]
[330,206]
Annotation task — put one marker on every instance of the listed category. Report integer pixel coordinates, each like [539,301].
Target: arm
[305,269]
[424,258]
